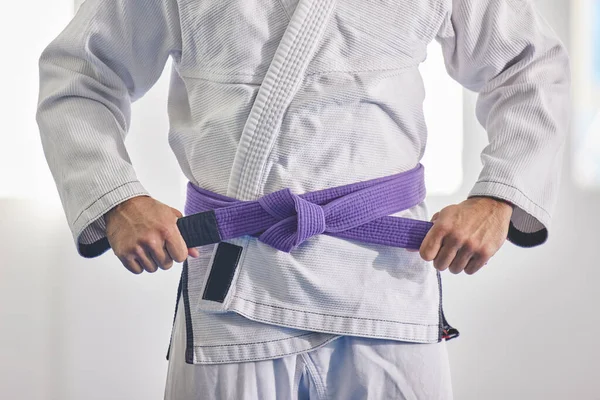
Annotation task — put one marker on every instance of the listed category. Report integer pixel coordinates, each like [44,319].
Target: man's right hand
[143,234]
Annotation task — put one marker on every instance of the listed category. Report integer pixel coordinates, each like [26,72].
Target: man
[274,106]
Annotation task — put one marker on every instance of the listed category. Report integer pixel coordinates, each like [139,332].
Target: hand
[143,234]
[465,236]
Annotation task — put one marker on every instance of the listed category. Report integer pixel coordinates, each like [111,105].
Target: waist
[284,220]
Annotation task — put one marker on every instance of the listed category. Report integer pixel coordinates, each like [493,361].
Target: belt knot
[298,219]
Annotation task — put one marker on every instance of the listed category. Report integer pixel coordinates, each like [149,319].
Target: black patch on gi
[222,271]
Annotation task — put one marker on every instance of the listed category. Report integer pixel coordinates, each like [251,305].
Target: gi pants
[346,368]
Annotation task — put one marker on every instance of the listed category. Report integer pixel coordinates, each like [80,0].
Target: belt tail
[199,229]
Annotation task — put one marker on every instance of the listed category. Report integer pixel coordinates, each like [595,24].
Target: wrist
[497,200]
[504,202]
[121,205]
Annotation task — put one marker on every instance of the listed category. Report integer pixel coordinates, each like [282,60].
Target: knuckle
[150,241]
[453,235]
[486,251]
[470,245]
[483,255]
[144,240]
[453,239]
[119,254]
[443,226]
[138,251]
[165,231]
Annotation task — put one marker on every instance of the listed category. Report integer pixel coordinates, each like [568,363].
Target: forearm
[508,54]
[108,56]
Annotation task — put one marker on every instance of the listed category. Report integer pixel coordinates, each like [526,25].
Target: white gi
[354,113]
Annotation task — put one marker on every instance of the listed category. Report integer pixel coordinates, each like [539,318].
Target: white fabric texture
[346,368]
[357,114]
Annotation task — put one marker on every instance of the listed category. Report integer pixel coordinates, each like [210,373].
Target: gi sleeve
[507,53]
[108,56]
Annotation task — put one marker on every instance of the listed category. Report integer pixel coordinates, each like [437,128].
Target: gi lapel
[281,81]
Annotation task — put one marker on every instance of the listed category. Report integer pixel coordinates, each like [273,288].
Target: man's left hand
[465,236]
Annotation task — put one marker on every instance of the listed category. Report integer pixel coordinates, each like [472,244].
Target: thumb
[177,212]
[435,216]
[193,252]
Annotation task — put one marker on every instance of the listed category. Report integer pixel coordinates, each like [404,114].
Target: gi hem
[336,324]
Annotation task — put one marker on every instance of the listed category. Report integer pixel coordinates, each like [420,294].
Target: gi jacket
[356,113]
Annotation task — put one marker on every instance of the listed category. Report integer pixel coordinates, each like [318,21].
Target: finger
[176,247]
[460,260]
[474,265]
[132,265]
[435,216]
[446,255]
[432,243]
[160,256]
[139,265]
[145,260]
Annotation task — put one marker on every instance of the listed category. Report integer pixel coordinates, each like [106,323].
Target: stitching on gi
[100,198]
[313,374]
[333,315]
[191,75]
[398,69]
[216,72]
[265,341]
[284,9]
[518,190]
[299,373]
[268,357]
[335,331]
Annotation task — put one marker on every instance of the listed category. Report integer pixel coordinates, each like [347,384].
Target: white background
[74,328]
[586,99]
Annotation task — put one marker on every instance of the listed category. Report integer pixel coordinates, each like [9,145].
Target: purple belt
[284,220]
